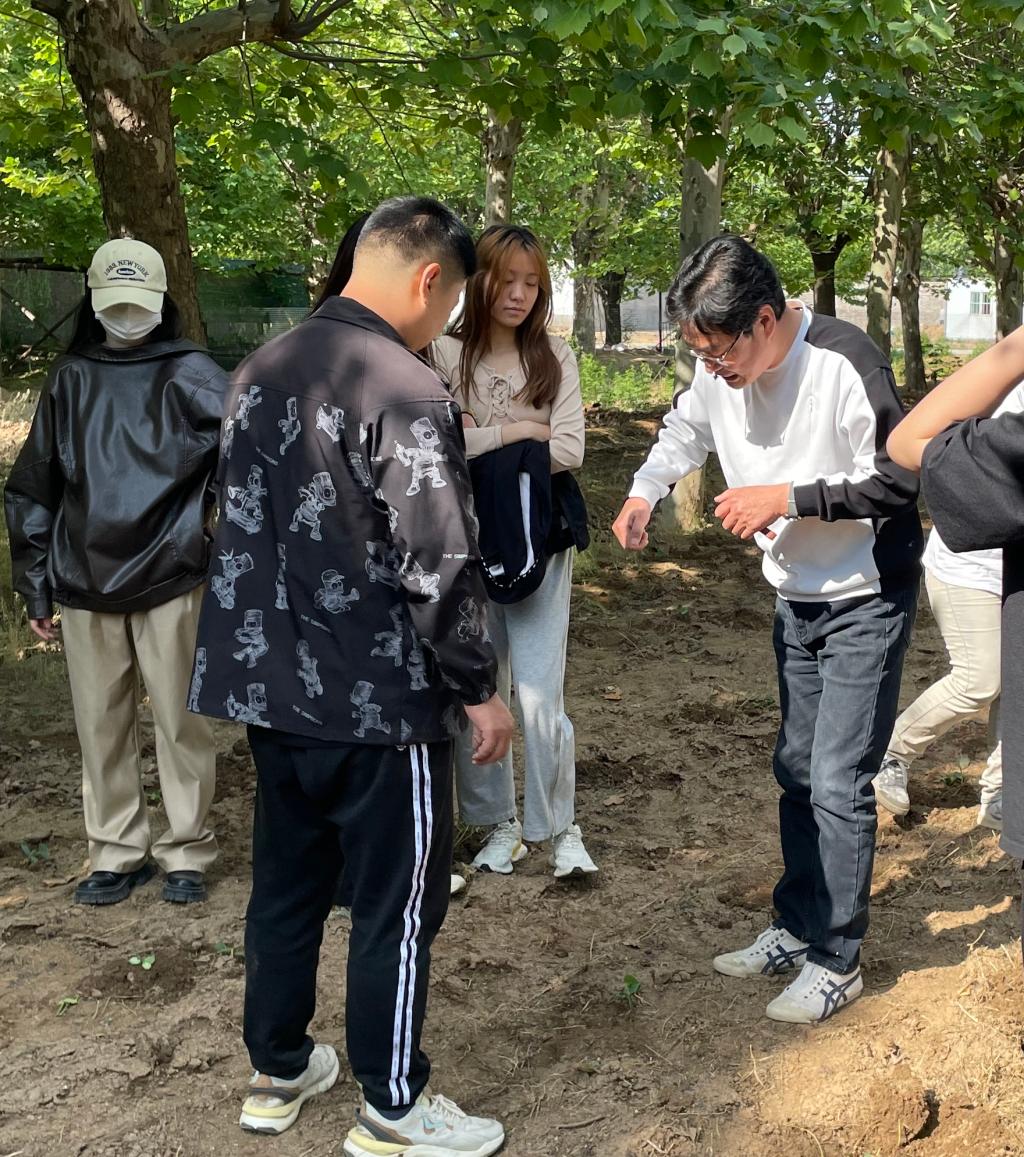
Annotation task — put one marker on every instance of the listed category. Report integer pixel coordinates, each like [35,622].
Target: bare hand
[745,510]
[468,421]
[44,628]
[630,528]
[493,726]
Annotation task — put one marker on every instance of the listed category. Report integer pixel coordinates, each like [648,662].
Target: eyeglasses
[715,361]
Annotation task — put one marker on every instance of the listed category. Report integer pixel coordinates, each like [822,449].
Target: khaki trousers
[970,623]
[106,654]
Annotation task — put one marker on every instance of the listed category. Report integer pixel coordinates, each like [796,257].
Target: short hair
[418,228]
[722,286]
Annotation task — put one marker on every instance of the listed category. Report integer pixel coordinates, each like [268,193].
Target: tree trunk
[610,286]
[593,200]
[583,324]
[116,64]
[1009,286]
[824,262]
[700,219]
[909,290]
[501,141]
[890,181]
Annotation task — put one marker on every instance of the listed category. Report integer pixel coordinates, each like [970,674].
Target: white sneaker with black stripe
[815,995]
[433,1127]
[774,951]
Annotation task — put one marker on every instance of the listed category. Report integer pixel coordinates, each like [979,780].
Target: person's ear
[768,319]
[429,281]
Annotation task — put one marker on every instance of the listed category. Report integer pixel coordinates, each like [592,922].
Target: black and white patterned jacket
[345,601]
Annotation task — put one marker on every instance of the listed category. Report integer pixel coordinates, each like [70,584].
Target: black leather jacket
[108,501]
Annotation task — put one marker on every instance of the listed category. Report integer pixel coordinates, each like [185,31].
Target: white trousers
[530,638]
[969,620]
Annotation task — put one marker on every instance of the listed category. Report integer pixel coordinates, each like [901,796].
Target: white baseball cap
[127,271]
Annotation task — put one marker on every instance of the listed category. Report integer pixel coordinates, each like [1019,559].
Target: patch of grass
[637,387]
[629,993]
[35,853]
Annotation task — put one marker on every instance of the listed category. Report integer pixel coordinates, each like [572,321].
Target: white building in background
[971,311]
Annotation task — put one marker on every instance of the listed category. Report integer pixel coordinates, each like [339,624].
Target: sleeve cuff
[805,499]
[651,492]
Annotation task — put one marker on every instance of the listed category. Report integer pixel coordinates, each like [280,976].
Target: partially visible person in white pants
[516,382]
[967,613]
[965,594]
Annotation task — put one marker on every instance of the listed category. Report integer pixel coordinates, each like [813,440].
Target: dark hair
[495,250]
[722,287]
[419,227]
[341,270]
[89,330]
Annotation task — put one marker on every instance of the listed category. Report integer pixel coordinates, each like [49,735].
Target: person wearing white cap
[108,507]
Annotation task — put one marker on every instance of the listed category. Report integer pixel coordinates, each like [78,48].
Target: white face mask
[128,322]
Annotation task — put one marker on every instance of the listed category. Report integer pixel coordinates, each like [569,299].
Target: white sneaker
[815,995]
[273,1104]
[568,855]
[990,813]
[891,786]
[433,1127]
[504,847]
[774,951]
[458,883]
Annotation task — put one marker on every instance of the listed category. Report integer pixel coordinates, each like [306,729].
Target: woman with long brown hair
[516,381]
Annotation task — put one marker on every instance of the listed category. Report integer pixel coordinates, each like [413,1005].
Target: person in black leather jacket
[107,509]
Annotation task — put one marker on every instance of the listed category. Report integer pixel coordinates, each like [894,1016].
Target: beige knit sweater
[493,400]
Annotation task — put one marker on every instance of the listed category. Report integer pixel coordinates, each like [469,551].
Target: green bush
[634,388]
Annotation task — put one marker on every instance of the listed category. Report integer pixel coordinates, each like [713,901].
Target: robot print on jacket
[429,582]
[383,564]
[233,567]
[331,419]
[472,621]
[250,712]
[252,397]
[316,498]
[280,585]
[366,712]
[250,635]
[289,426]
[390,641]
[243,506]
[423,457]
[196,686]
[307,670]
[331,596]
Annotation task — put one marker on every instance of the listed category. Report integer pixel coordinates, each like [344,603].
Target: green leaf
[760,135]
[706,63]
[734,45]
[792,128]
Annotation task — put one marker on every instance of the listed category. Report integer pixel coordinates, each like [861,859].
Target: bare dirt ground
[533,1017]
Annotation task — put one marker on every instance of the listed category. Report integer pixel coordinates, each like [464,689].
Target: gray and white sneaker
[503,848]
[990,813]
[568,855]
[774,951]
[433,1127]
[891,786]
[815,995]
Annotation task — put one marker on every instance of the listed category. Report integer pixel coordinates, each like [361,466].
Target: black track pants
[387,813]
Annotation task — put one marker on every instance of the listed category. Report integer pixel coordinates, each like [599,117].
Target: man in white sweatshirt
[798,409]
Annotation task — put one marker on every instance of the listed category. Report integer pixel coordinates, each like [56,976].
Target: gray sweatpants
[530,639]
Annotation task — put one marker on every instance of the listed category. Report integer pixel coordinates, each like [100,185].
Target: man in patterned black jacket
[345,554]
